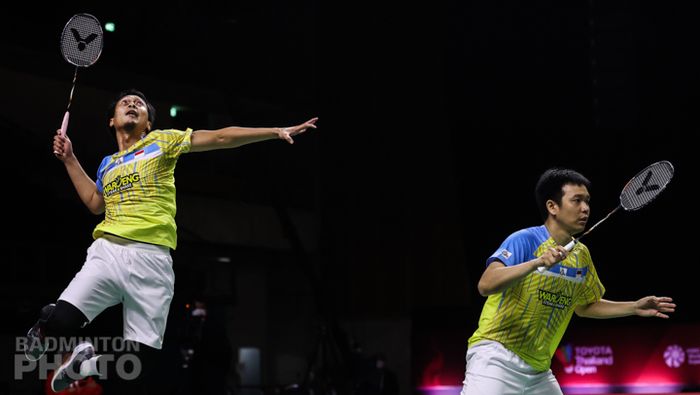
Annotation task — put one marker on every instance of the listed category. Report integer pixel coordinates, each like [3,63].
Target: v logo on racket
[82,43]
[645,187]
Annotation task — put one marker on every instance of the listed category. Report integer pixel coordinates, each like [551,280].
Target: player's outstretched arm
[234,136]
[648,306]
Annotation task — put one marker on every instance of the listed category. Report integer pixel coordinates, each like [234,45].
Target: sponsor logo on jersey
[551,299]
[121,184]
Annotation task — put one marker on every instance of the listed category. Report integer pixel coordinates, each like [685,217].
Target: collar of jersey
[137,146]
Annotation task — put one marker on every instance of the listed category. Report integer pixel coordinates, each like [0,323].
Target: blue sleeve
[516,249]
[100,172]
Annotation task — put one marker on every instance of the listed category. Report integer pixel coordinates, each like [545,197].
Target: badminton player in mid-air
[528,310]
[129,262]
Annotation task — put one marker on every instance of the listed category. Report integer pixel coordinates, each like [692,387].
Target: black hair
[129,92]
[550,184]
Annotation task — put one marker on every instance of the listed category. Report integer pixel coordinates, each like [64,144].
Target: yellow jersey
[138,186]
[530,317]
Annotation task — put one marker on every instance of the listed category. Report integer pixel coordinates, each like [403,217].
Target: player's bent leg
[65,320]
[35,347]
[59,319]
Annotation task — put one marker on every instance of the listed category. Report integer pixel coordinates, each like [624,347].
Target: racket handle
[567,247]
[570,246]
[64,124]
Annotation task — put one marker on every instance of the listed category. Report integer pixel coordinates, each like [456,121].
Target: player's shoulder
[159,132]
[170,131]
[518,246]
[582,250]
[171,135]
[534,234]
[105,162]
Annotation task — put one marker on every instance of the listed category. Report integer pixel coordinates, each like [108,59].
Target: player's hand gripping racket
[637,193]
[81,46]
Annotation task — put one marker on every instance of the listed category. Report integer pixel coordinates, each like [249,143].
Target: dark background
[435,122]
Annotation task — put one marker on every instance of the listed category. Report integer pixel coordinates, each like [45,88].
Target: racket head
[646,185]
[81,40]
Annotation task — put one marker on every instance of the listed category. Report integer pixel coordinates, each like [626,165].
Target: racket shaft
[64,124]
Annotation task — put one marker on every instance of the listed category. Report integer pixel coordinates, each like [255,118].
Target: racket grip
[64,124]
[570,246]
[567,247]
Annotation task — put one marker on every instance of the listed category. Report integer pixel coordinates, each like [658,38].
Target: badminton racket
[81,46]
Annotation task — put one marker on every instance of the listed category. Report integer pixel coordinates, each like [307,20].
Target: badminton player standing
[129,262]
[527,311]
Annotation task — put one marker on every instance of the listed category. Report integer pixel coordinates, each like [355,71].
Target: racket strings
[646,185]
[81,41]
[640,190]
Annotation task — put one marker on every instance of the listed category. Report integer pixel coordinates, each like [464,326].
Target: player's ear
[111,122]
[552,207]
[148,126]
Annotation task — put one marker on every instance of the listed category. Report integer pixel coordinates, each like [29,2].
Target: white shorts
[138,275]
[493,369]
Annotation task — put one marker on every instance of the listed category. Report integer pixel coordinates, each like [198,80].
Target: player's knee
[64,320]
[47,311]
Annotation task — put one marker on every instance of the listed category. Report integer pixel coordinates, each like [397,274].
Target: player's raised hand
[62,146]
[552,255]
[288,132]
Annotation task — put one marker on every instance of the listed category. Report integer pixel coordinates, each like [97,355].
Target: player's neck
[126,139]
[561,236]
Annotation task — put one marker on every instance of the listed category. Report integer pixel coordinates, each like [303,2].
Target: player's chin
[578,227]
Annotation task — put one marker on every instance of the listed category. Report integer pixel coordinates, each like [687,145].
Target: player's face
[131,113]
[573,211]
